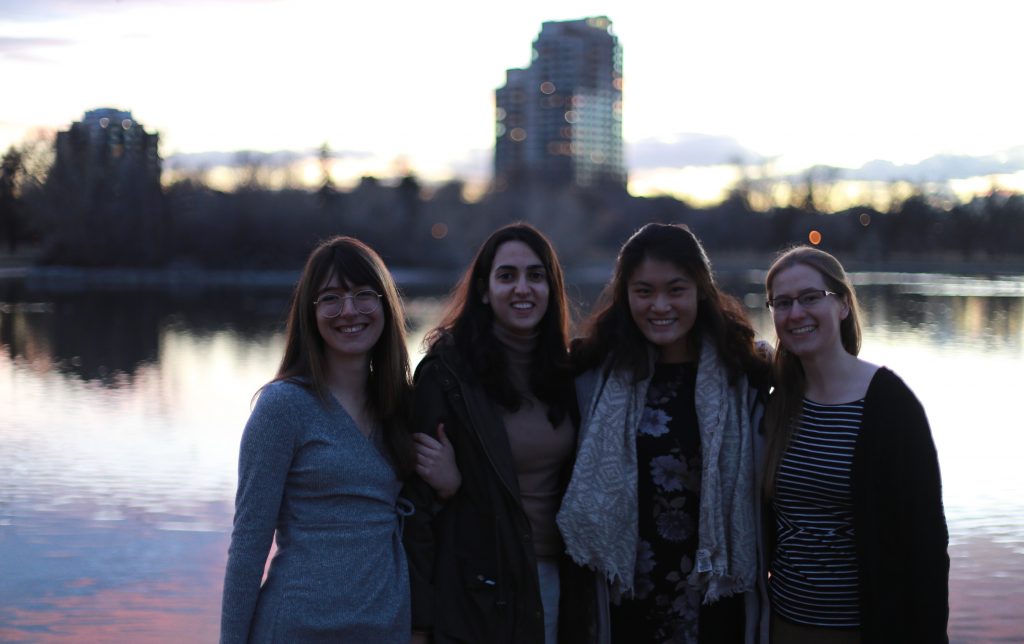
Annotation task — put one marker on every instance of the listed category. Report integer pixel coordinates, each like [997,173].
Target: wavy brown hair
[611,339]
[467,328]
[387,378]
[783,413]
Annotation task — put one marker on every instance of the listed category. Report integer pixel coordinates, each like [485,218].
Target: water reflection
[107,336]
[122,414]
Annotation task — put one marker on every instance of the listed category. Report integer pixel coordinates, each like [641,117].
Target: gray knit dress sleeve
[263,461]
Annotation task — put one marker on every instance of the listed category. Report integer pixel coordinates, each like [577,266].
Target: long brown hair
[783,413]
[467,327]
[611,338]
[387,380]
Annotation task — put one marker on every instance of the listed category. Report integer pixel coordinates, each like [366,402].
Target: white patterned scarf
[598,518]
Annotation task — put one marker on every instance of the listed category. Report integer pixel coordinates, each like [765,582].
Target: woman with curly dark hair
[662,498]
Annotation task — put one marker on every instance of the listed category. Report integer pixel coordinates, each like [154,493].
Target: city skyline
[910,90]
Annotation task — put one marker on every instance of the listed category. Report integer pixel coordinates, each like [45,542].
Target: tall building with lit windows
[559,121]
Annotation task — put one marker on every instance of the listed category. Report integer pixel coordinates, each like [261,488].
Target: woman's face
[663,302]
[352,333]
[517,288]
[807,330]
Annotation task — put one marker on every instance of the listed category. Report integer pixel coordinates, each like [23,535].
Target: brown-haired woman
[320,467]
[852,475]
[662,499]
[486,563]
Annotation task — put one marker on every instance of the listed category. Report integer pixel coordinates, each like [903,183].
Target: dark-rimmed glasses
[330,305]
[807,300]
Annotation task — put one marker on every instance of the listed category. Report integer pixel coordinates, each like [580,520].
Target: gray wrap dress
[307,473]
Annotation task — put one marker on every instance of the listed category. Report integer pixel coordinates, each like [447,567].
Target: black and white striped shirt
[814,571]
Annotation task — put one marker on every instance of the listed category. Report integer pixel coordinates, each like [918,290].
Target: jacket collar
[485,420]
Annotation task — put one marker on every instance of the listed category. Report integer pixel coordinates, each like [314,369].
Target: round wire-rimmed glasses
[330,305]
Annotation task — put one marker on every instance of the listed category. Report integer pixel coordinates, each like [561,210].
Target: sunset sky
[920,90]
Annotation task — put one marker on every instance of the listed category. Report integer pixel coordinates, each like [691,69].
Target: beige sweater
[540,452]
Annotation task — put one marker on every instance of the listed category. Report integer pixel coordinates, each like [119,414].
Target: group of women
[664,477]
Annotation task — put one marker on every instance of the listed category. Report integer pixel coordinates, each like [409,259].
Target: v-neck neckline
[369,440]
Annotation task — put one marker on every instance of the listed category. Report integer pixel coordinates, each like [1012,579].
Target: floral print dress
[665,607]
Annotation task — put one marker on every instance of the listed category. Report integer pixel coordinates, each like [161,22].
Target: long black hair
[467,328]
[610,337]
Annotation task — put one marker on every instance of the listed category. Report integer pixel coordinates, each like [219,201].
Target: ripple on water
[985,594]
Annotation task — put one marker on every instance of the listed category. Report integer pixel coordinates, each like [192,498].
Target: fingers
[425,458]
[441,436]
[423,440]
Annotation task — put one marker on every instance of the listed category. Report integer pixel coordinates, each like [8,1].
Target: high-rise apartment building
[559,121]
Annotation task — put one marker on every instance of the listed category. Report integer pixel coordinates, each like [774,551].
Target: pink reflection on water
[986,597]
[986,602]
[180,608]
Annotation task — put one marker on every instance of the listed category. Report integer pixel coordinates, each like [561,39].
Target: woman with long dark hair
[852,475]
[485,556]
[662,499]
[321,464]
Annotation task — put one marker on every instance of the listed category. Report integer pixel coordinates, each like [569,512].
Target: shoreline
[750,266]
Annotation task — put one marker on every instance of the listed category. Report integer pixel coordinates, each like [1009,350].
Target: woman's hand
[435,463]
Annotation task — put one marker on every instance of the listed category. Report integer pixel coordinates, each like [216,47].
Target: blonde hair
[783,413]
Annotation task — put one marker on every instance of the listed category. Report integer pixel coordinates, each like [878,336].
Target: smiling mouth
[803,330]
[522,306]
[355,328]
[662,322]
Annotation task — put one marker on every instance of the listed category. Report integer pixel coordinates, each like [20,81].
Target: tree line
[108,213]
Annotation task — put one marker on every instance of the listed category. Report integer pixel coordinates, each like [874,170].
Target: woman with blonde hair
[852,475]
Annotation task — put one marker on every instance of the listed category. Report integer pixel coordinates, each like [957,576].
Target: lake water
[121,412]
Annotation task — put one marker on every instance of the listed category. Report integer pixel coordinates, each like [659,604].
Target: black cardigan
[898,519]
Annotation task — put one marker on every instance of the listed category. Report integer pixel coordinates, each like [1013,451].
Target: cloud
[27,49]
[942,167]
[242,158]
[704,150]
[45,10]
[686,150]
